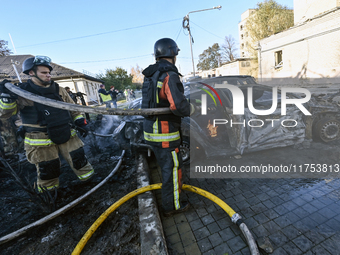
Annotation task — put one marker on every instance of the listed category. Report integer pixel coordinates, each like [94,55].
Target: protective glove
[6,95]
[81,126]
[3,89]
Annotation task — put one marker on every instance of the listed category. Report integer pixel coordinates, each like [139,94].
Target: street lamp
[187,26]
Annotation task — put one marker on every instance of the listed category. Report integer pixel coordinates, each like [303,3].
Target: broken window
[278,59]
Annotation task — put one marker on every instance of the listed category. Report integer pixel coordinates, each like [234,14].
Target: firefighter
[48,130]
[162,132]
[105,96]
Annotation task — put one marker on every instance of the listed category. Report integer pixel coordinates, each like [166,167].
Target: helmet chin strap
[42,82]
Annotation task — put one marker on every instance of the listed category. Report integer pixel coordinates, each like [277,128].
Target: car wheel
[327,130]
[185,153]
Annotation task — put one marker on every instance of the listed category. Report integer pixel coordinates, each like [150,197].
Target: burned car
[235,115]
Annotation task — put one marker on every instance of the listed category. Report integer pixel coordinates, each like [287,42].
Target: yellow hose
[210,196]
[136,192]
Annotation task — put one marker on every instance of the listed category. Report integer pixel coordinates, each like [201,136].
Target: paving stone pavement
[299,216]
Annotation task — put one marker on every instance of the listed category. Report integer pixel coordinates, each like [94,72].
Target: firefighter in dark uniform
[162,132]
[47,130]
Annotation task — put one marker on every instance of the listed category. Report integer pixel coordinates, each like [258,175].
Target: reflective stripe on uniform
[38,142]
[78,117]
[105,97]
[175,179]
[169,137]
[155,126]
[159,85]
[86,176]
[42,142]
[48,188]
[6,106]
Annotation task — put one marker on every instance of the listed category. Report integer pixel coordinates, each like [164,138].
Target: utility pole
[187,26]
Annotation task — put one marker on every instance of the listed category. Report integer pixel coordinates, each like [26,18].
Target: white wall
[229,69]
[306,9]
[311,52]
[90,88]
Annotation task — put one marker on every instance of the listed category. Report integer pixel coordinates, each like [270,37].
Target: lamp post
[187,26]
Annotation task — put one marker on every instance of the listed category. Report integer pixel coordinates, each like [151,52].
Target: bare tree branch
[229,49]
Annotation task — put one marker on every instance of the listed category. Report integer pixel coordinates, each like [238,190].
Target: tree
[4,51]
[210,58]
[269,18]
[229,49]
[138,77]
[118,78]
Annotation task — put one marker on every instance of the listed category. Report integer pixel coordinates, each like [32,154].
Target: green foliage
[118,78]
[210,58]
[269,18]
[4,51]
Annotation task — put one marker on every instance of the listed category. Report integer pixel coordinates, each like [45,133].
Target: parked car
[205,134]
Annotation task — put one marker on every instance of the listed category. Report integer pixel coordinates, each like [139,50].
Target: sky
[98,35]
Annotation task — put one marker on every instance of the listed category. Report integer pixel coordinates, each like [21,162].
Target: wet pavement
[299,216]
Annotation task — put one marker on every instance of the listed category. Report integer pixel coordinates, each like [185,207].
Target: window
[241,27]
[243,64]
[241,36]
[242,45]
[278,59]
[247,64]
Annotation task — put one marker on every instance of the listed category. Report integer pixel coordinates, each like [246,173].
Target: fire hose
[235,217]
[62,210]
[81,108]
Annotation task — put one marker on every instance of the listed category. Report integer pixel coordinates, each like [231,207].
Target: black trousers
[170,162]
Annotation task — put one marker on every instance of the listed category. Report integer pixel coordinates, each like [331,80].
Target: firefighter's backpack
[149,91]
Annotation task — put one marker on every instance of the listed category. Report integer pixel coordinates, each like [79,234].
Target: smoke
[105,126]
[109,123]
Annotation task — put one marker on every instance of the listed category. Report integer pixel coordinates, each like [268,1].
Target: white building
[240,66]
[244,37]
[65,77]
[307,53]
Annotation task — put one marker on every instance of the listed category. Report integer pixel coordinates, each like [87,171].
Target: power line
[179,31]
[86,36]
[207,31]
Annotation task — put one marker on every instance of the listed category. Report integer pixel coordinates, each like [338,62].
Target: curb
[151,230]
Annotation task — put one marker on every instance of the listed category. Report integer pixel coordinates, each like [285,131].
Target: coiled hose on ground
[63,209]
[236,218]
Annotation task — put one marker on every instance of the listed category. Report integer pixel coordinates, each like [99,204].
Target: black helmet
[166,47]
[29,63]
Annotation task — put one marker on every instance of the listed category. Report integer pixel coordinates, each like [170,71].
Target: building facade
[244,37]
[65,77]
[240,66]
[307,53]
